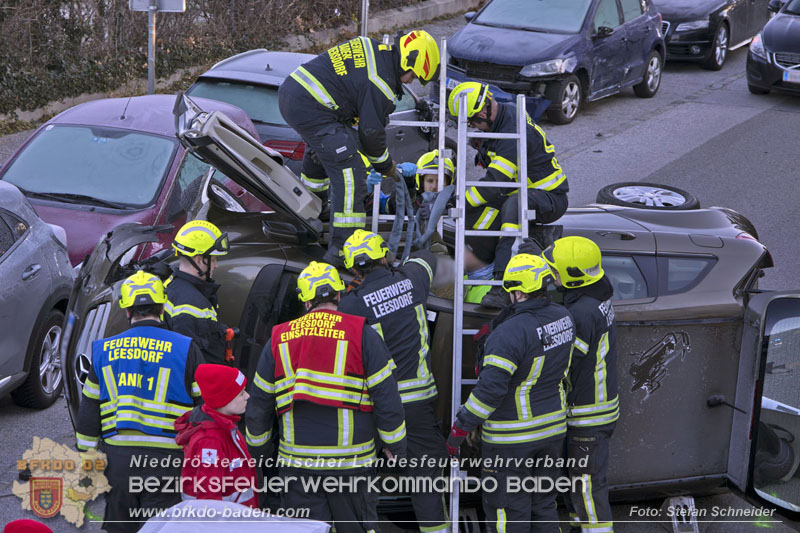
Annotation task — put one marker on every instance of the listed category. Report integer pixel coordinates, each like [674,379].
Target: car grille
[490,71]
[93,329]
[787,60]
[664,28]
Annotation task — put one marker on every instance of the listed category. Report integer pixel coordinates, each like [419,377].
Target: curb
[380,21]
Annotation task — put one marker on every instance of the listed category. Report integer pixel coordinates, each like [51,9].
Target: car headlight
[757,47]
[692,25]
[547,68]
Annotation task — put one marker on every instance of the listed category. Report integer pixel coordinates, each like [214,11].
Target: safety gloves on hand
[454,440]
[374,178]
[407,169]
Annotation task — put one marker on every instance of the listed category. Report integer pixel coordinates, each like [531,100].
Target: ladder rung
[500,184]
[483,282]
[414,123]
[488,233]
[469,382]
[485,135]
[470,331]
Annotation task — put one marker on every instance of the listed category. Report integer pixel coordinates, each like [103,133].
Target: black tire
[756,90]
[45,380]
[638,194]
[654,68]
[567,98]
[719,49]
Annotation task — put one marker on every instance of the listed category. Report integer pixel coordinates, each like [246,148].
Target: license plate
[789,76]
[451,83]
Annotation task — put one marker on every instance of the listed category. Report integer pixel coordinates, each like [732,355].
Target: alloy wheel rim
[50,361]
[653,74]
[571,99]
[722,45]
[649,196]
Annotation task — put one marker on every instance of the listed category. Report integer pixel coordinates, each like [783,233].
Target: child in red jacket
[213,447]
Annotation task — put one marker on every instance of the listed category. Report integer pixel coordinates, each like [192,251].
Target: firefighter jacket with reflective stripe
[321,438]
[358,79]
[520,397]
[500,156]
[217,464]
[394,303]
[593,399]
[318,360]
[139,383]
[191,310]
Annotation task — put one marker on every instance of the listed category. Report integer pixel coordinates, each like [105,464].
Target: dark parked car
[250,80]
[705,30]
[106,162]
[567,52]
[773,63]
[695,333]
[36,277]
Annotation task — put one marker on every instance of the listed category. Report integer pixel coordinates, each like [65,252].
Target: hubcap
[571,99]
[722,45]
[653,73]
[649,196]
[50,365]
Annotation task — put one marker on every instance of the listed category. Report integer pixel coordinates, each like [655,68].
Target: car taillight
[288,149]
[747,236]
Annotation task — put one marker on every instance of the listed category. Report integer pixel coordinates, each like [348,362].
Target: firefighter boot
[333,256]
[497,297]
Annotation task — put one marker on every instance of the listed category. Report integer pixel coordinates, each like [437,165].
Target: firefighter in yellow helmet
[519,400]
[393,301]
[592,401]
[192,305]
[327,377]
[358,79]
[139,383]
[547,182]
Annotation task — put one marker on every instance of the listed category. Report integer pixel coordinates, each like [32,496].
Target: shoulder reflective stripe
[91,390]
[600,372]
[315,185]
[372,70]
[286,361]
[500,362]
[522,397]
[486,219]
[390,437]
[501,521]
[257,440]
[477,407]
[581,345]
[381,158]
[424,264]
[111,384]
[345,437]
[263,384]
[504,166]
[474,197]
[341,357]
[378,377]
[173,310]
[288,427]
[314,87]
[549,183]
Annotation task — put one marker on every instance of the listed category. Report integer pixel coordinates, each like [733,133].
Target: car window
[547,15]
[631,9]
[191,169]
[607,14]
[405,103]
[7,237]
[682,273]
[625,276]
[113,165]
[259,102]
[793,7]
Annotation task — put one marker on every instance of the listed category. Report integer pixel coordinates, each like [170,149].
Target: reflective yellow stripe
[588,501]
[474,197]
[378,377]
[186,309]
[477,407]
[128,400]
[341,358]
[195,390]
[263,384]
[288,427]
[349,190]
[500,362]
[501,521]
[581,345]
[314,184]
[523,389]
[257,440]
[504,166]
[137,438]
[162,384]
[345,427]
[286,361]
[433,529]
[314,87]
[91,389]
[509,226]
[600,371]
[377,327]
[548,183]
[381,158]
[486,219]
[372,69]
[315,392]
[329,451]
[390,437]
[349,220]
[86,441]
[424,264]
[111,384]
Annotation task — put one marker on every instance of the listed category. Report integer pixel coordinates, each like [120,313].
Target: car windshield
[106,164]
[260,102]
[558,16]
[793,8]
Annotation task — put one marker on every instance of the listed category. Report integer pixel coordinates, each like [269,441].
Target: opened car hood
[216,139]
[508,46]
[782,34]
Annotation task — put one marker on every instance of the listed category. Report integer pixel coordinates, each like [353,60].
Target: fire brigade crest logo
[46,495]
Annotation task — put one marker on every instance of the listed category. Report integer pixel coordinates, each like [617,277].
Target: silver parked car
[37,278]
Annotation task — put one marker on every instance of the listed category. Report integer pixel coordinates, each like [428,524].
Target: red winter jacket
[217,465]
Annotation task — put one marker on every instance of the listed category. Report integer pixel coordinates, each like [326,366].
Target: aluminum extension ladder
[459,215]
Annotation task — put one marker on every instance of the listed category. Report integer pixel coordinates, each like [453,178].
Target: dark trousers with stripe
[589,506]
[510,510]
[120,500]
[549,208]
[332,152]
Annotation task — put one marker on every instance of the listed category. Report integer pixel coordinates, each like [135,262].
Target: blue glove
[408,170]
[373,178]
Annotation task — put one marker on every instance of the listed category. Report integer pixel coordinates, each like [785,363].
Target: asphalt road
[702,132]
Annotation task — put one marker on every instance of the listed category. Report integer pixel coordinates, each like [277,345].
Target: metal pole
[364,17]
[522,165]
[151,46]
[442,124]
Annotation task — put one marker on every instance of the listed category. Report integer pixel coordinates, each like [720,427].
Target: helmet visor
[220,246]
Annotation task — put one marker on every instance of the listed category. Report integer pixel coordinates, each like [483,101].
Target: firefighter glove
[374,178]
[407,169]
[454,440]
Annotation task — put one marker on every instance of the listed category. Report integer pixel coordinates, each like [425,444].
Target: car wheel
[647,196]
[756,90]
[567,97]
[719,49]
[652,77]
[44,382]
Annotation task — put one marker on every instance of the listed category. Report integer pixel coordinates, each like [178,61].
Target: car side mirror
[469,15]
[775,5]
[603,32]
[284,232]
